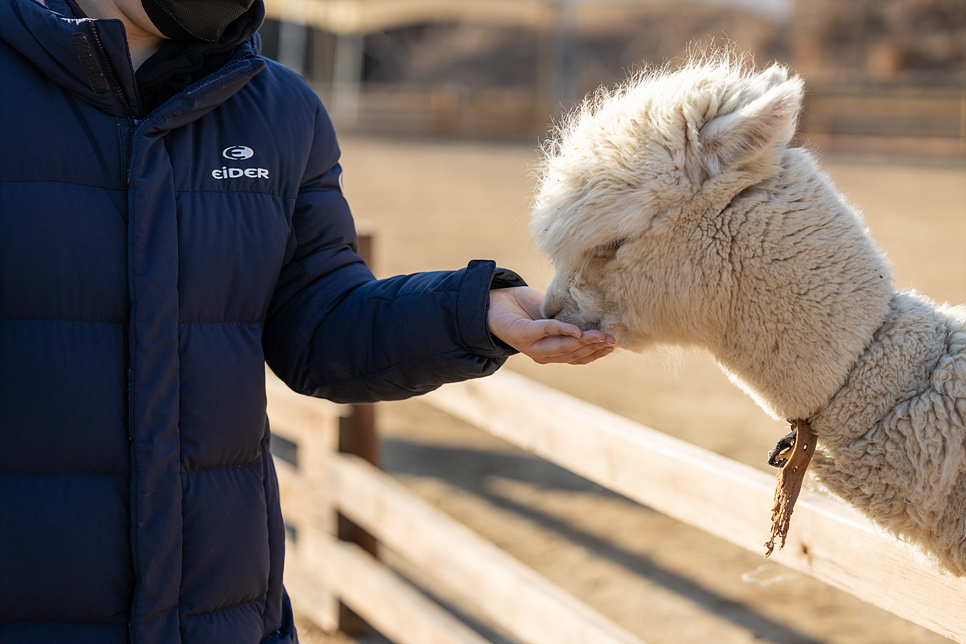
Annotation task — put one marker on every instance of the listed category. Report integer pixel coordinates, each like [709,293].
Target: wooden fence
[720,496]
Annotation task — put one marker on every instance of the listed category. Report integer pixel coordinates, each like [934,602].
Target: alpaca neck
[808,289]
[898,363]
[893,439]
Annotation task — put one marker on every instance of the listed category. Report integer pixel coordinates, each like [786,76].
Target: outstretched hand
[515,318]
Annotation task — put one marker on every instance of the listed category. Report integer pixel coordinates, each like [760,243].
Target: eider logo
[238,152]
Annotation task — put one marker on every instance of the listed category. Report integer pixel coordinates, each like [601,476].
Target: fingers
[559,345]
[569,350]
[600,353]
[582,357]
[586,355]
[552,328]
[558,328]
[598,336]
[513,317]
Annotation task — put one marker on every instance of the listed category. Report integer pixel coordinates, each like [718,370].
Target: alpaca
[675,212]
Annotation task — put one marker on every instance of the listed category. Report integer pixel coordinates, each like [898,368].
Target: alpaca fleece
[675,212]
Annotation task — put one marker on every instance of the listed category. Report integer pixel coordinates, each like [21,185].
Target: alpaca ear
[755,135]
[772,77]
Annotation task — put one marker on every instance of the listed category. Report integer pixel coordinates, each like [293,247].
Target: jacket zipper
[122,99]
[128,134]
[112,77]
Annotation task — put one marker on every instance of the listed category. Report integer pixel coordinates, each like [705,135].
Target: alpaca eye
[616,244]
[609,250]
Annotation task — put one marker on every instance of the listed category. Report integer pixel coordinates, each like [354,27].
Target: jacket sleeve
[334,331]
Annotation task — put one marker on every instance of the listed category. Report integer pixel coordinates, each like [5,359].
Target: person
[171,219]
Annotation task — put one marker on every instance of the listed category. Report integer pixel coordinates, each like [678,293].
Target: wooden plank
[310,586]
[302,419]
[352,16]
[307,506]
[355,16]
[309,591]
[313,425]
[521,601]
[731,500]
[294,492]
[320,570]
[358,435]
[387,602]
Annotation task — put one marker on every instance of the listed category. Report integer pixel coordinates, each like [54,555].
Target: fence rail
[727,499]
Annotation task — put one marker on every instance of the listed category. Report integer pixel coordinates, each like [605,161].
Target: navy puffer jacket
[150,264]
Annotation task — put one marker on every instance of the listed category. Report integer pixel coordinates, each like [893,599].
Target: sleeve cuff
[505,278]
[474,303]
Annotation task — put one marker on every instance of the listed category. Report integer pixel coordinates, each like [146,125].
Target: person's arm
[334,331]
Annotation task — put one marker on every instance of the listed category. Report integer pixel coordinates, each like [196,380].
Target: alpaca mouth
[575,318]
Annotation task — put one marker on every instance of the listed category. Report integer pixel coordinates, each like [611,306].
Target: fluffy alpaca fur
[674,212]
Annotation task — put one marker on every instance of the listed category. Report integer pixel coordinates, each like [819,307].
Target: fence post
[357,435]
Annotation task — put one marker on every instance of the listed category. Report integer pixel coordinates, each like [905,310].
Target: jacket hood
[49,36]
[177,64]
[64,48]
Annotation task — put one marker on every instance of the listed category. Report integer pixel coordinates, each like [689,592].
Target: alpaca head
[627,186]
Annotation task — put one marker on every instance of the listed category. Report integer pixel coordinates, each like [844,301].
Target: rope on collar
[792,454]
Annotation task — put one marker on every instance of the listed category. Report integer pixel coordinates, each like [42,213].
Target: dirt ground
[436,205]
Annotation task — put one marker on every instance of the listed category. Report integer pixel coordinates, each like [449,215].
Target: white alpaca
[674,212]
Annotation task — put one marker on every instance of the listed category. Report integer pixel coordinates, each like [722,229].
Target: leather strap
[792,454]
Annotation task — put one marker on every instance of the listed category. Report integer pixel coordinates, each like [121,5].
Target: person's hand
[515,318]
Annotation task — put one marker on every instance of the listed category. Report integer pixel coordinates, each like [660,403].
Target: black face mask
[195,20]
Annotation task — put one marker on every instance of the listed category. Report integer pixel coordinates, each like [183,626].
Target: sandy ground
[436,205]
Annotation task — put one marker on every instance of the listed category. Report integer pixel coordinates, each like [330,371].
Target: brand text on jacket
[236,173]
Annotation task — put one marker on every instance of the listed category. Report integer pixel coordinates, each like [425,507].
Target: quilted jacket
[151,262]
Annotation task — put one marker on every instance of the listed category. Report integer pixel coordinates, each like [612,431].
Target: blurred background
[440,107]
[892,69]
